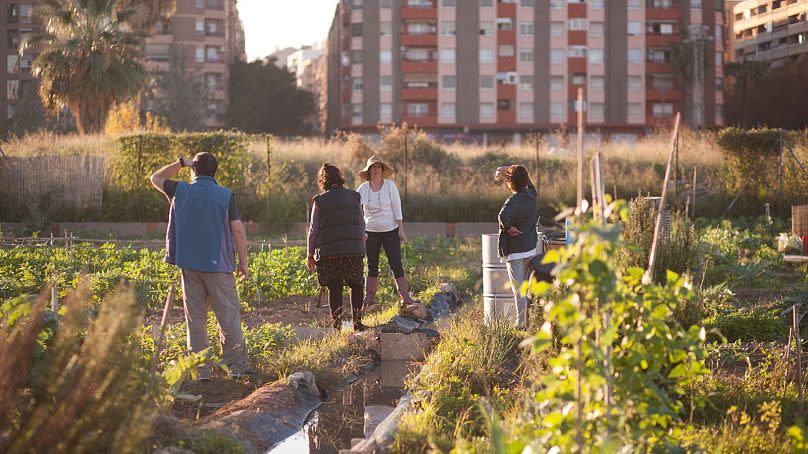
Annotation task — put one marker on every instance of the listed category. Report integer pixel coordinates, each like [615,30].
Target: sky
[275,24]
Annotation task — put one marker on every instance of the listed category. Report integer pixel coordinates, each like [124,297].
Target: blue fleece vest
[199,236]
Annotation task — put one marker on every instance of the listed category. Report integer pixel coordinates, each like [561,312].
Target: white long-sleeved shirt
[382,209]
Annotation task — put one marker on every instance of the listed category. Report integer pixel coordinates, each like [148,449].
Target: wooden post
[580,192]
[649,273]
[159,347]
[406,160]
[788,351]
[54,300]
[693,202]
[795,317]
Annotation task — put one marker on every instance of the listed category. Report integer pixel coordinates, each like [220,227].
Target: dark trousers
[335,300]
[392,248]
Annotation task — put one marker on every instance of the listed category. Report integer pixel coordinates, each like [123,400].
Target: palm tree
[150,11]
[89,58]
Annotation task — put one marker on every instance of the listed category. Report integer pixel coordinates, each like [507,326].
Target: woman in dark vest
[336,243]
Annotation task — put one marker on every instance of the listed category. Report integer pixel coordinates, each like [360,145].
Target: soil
[293,310]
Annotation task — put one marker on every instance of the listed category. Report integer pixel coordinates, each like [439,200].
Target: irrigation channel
[350,413]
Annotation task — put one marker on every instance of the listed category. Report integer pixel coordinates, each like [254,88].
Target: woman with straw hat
[384,226]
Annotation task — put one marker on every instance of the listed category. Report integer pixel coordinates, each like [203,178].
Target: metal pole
[580,192]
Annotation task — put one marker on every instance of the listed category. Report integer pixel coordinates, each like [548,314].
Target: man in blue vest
[204,228]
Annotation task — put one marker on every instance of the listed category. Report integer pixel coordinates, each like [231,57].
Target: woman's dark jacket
[341,230]
[519,211]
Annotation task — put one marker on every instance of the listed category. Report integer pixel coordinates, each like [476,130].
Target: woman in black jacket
[518,238]
[336,243]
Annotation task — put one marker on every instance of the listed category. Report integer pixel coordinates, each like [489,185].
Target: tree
[88,58]
[744,76]
[265,98]
[151,11]
[179,95]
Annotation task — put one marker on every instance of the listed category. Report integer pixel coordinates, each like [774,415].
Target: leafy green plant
[610,322]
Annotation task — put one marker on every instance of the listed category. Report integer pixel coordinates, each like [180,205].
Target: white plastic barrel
[498,301]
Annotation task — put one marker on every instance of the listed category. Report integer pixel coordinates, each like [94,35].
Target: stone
[416,311]
[304,381]
[404,347]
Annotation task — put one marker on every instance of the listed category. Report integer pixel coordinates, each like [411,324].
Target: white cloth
[520,255]
[383,208]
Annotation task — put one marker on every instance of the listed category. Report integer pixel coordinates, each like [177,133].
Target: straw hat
[387,171]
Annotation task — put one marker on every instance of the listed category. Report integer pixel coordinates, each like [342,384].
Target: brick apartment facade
[17,21]
[208,32]
[467,67]
[210,36]
[771,31]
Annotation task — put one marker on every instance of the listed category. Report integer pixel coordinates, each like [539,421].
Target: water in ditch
[350,412]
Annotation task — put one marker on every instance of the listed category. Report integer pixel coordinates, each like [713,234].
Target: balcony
[420,40]
[419,94]
[576,37]
[419,66]
[576,9]
[661,13]
[658,67]
[655,94]
[421,122]
[661,40]
[411,13]
[506,10]
[506,117]
[506,64]
[506,36]
[506,91]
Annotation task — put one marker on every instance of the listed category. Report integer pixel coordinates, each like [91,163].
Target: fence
[33,187]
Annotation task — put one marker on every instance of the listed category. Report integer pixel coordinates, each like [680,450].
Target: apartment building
[17,22]
[771,31]
[208,34]
[504,67]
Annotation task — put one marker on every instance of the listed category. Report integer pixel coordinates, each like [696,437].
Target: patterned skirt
[340,271]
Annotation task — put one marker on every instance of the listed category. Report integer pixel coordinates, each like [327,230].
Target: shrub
[748,325]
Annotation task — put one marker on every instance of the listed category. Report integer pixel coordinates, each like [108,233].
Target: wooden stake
[693,202]
[798,352]
[159,347]
[649,273]
[54,300]
[580,193]
[795,317]
[788,351]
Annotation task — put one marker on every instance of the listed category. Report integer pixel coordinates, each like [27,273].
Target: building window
[558,4]
[447,55]
[212,55]
[527,82]
[659,28]
[635,110]
[526,111]
[200,55]
[577,24]
[356,56]
[596,112]
[448,28]
[385,56]
[486,81]
[634,56]
[486,28]
[507,78]
[385,112]
[506,50]
[527,3]
[597,82]
[13,40]
[660,4]
[200,26]
[557,83]
[596,56]
[557,56]
[596,29]
[526,28]
[11,110]
[575,107]
[417,109]
[487,111]
[13,64]
[449,82]
[12,89]
[576,51]
[447,111]
[356,113]
[448,3]
[486,2]
[356,30]
[526,55]
[635,83]
[596,4]
[557,111]
[557,28]
[356,83]
[658,55]
[578,79]
[13,13]
[634,29]
[385,28]
[662,81]
[504,23]
[486,56]
[634,3]
[662,109]
[719,83]
[386,83]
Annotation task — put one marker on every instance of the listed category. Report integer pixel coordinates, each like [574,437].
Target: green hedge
[128,193]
